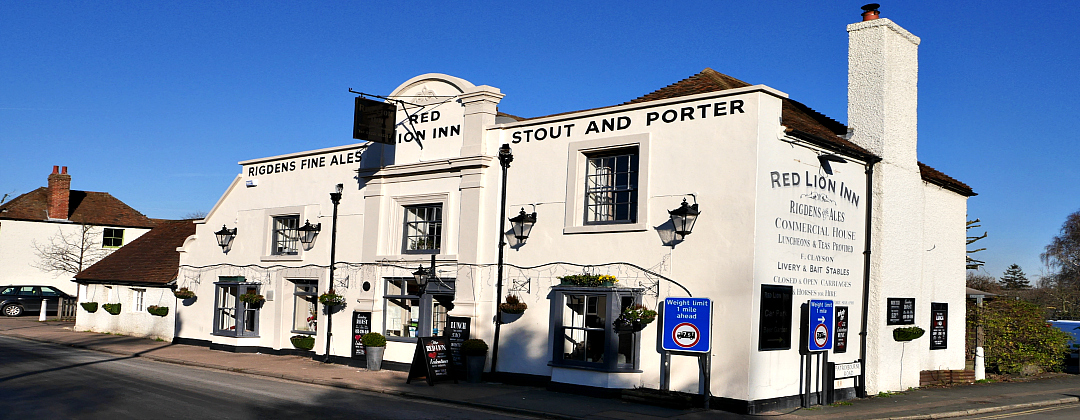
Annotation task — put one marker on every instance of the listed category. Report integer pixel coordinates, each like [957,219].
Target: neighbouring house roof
[800,120]
[86,207]
[151,259]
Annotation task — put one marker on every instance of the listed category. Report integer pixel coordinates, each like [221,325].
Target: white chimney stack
[883,76]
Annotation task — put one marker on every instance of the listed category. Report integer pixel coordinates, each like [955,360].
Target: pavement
[925,403]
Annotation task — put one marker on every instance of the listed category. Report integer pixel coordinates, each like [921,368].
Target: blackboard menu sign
[939,325]
[840,340]
[901,311]
[361,324]
[432,360]
[774,326]
[456,332]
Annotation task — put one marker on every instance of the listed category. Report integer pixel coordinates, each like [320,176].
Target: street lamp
[505,157]
[225,237]
[522,225]
[335,197]
[684,218]
[308,232]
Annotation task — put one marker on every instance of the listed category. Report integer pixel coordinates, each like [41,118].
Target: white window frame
[268,232]
[138,299]
[397,210]
[577,159]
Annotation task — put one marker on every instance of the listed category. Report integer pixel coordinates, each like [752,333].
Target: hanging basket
[254,299]
[907,334]
[184,293]
[90,307]
[623,326]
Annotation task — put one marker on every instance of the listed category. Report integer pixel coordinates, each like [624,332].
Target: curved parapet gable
[430,119]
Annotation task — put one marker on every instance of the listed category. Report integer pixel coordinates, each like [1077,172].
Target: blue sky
[156,102]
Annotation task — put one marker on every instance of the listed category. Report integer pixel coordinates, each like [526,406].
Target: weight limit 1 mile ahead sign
[820,328]
[687,324]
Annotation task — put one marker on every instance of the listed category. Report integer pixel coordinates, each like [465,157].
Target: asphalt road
[1054,412]
[44,381]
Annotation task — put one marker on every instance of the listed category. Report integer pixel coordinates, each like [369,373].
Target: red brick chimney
[59,193]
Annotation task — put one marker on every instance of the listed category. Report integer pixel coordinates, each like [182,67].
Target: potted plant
[634,318]
[184,293]
[90,307]
[112,308]
[475,352]
[588,280]
[332,299]
[511,309]
[907,333]
[374,345]
[252,298]
[157,310]
[303,341]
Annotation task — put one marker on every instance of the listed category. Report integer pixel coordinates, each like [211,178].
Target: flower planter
[90,307]
[158,310]
[588,280]
[112,308]
[907,333]
[474,368]
[627,327]
[374,357]
[184,293]
[303,342]
[508,317]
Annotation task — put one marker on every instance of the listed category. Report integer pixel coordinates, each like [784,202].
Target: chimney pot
[56,169]
[64,170]
[870,12]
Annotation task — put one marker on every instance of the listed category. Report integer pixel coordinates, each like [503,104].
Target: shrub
[112,308]
[373,339]
[183,293]
[474,347]
[513,305]
[157,310]
[907,333]
[303,342]
[90,307]
[1016,335]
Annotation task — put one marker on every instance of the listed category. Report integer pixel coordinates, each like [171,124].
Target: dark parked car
[15,300]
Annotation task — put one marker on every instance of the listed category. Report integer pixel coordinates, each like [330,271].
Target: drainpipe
[860,391]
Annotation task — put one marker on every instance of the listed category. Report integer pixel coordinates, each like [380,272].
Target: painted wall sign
[687,324]
[939,326]
[361,324]
[304,163]
[841,330]
[901,311]
[456,332]
[820,325]
[774,323]
[431,360]
[374,121]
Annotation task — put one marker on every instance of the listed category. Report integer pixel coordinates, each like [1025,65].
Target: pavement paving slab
[923,403]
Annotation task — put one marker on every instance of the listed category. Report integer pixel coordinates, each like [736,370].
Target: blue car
[16,300]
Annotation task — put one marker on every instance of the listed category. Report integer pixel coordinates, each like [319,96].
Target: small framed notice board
[432,360]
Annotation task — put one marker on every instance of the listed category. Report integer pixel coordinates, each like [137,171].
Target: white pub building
[793,207]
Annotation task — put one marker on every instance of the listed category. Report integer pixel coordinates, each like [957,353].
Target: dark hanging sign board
[901,311]
[456,332]
[841,329]
[432,361]
[374,121]
[774,328]
[361,324]
[939,326]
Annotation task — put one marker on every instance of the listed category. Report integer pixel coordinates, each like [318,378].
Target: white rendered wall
[17,254]
[128,321]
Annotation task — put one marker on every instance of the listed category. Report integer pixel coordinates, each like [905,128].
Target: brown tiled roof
[88,207]
[935,177]
[151,259]
[513,117]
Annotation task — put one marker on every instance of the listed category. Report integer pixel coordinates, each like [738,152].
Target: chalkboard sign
[361,324]
[432,360]
[901,311]
[939,326]
[456,332]
[774,326]
[841,328]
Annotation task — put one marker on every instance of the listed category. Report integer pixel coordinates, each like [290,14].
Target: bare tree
[197,214]
[70,252]
[973,264]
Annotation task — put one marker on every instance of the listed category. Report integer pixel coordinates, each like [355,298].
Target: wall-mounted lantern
[684,218]
[225,237]
[522,225]
[308,232]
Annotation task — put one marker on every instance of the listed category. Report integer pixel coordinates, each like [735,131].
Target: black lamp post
[335,197]
[225,237]
[684,218]
[505,157]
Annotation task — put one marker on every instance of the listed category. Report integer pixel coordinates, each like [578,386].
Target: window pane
[574,344]
[402,316]
[226,301]
[611,188]
[438,319]
[423,227]
[286,235]
[305,307]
